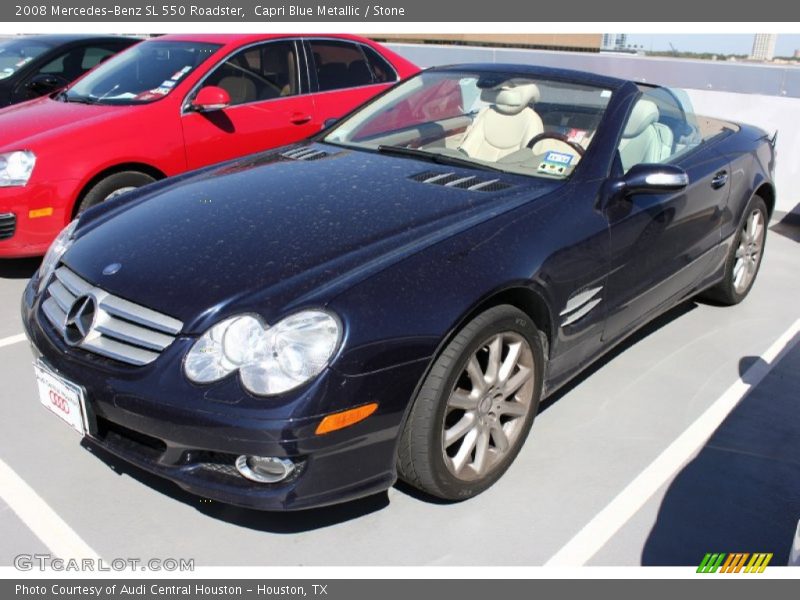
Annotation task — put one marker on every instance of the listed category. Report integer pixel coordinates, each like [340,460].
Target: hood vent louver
[463,182]
[304,153]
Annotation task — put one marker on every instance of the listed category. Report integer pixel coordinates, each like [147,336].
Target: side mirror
[645,179]
[211,98]
[654,179]
[45,83]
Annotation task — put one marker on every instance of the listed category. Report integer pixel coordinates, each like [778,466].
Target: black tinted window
[382,71]
[94,55]
[77,61]
[340,65]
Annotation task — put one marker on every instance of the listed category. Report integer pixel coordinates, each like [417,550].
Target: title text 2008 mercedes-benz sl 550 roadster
[395,296]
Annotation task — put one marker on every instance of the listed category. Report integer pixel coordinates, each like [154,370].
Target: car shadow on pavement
[269,522]
[789,225]
[741,493]
[19,268]
[624,346]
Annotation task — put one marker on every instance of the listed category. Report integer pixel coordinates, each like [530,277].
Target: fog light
[264,469]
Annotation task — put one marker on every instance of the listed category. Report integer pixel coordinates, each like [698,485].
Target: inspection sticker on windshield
[576,135]
[181,73]
[555,163]
[161,91]
[168,83]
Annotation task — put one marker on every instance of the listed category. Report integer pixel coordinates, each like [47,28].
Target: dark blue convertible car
[394,297]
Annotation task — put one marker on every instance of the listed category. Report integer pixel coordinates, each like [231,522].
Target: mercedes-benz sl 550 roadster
[395,296]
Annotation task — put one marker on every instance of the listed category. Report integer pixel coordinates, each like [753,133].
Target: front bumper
[154,418]
[32,234]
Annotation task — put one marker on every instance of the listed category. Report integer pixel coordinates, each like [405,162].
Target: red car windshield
[145,73]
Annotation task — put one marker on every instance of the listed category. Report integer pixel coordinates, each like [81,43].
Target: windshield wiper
[442,159]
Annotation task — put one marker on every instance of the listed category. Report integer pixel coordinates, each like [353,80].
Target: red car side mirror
[211,98]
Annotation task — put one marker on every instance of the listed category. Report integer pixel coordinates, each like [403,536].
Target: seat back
[506,125]
[645,140]
[240,89]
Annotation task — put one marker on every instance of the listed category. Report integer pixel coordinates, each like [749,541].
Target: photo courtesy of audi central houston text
[284,272]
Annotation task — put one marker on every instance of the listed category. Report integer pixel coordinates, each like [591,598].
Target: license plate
[61,397]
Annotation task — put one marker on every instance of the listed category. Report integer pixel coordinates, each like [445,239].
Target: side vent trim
[305,153]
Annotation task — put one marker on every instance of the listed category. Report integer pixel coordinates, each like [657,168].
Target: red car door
[345,73]
[270,105]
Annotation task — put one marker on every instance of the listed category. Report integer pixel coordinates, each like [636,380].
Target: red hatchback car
[168,105]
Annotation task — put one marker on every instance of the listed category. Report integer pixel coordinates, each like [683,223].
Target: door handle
[719,180]
[300,118]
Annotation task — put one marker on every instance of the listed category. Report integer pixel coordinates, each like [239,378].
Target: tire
[113,184]
[728,292]
[428,457]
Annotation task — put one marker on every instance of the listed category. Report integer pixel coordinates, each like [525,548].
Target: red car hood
[23,125]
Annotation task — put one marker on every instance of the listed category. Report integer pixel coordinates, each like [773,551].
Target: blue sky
[724,43]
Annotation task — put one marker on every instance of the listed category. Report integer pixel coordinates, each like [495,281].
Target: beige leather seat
[506,125]
[240,89]
[645,140]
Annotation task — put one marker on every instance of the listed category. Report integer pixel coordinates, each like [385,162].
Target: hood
[22,124]
[268,231]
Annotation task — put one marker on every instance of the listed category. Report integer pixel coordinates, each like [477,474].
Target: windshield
[147,72]
[15,54]
[529,126]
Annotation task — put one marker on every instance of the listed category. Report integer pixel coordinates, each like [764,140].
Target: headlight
[54,253]
[270,360]
[16,167]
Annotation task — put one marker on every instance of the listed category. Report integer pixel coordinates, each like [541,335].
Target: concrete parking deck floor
[739,492]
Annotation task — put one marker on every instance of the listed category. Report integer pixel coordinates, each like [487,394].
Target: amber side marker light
[345,418]
[40,212]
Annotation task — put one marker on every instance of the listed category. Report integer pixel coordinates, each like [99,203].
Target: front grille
[461,182]
[117,329]
[8,225]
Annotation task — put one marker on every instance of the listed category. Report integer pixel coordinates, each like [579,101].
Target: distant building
[614,41]
[764,46]
[797,53]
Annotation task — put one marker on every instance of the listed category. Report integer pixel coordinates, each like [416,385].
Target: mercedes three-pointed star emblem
[80,319]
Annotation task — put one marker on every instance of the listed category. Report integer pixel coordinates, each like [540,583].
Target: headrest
[510,99]
[644,114]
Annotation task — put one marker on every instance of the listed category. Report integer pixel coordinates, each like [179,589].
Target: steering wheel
[557,136]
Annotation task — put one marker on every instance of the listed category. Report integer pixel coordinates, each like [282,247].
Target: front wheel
[475,408]
[112,186]
[744,257]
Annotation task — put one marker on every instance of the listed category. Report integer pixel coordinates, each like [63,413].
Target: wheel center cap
[485,405]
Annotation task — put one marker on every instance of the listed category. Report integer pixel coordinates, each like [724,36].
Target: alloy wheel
[488,406]
[748,253]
